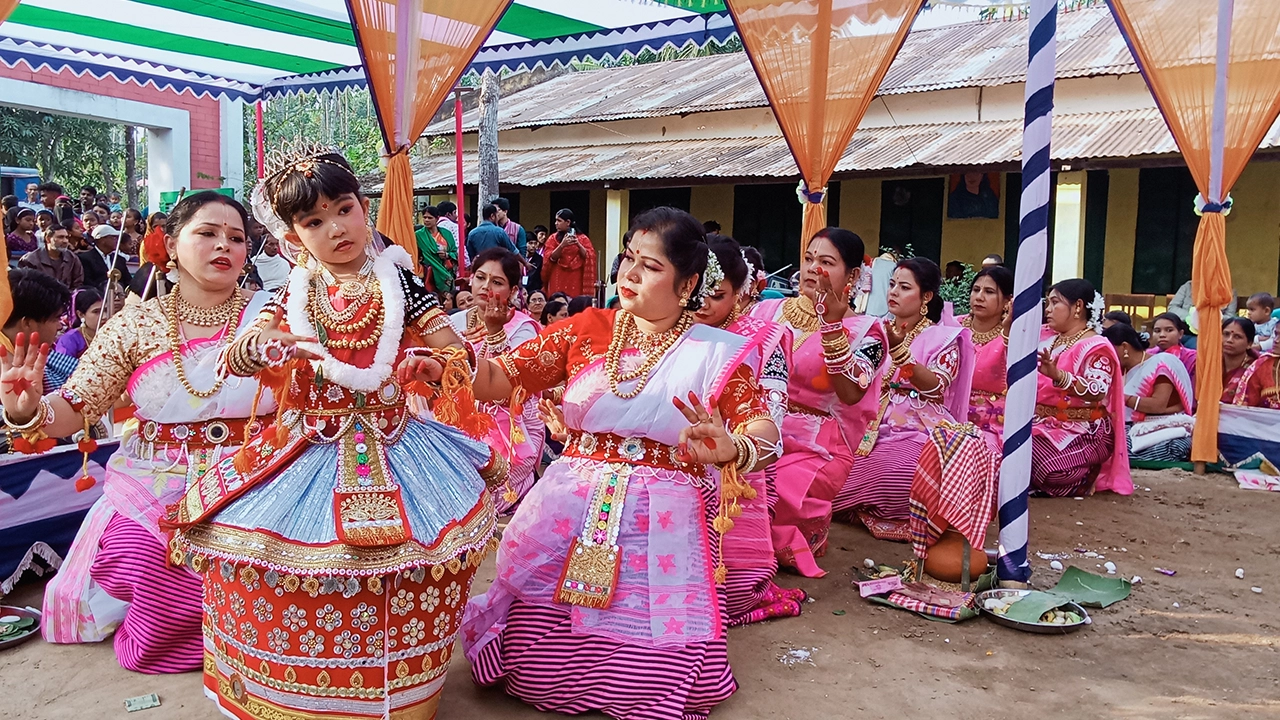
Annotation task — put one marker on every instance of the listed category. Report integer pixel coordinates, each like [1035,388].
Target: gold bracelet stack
[244,357]
[33,438]
[496,342]
[748,453]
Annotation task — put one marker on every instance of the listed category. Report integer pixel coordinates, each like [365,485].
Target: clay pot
[946,559]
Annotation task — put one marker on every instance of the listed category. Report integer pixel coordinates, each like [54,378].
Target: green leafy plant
[956,290]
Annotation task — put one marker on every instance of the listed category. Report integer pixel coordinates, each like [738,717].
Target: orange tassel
[153,249]
[84,483]
[88,445]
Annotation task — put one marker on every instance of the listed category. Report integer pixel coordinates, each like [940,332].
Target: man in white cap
[98,260]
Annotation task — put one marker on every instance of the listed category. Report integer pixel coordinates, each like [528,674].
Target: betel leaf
[1033,605]
[1091,590]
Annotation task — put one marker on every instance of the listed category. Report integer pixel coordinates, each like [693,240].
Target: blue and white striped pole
[1024,336]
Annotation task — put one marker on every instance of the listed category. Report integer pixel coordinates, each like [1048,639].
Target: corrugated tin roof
[979,54]
[1088,136]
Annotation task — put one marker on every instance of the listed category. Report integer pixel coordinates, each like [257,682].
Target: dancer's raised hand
[22,377]
[705,440]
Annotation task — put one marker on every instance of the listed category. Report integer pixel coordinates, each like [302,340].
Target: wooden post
[131,168]
[489,94]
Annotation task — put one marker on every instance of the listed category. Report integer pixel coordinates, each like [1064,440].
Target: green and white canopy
[262,48]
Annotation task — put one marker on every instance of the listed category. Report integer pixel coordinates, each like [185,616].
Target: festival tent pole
[413,51]
[6,297]
[1213,67]
[820,66]
[1024,335]
[261,138]
[461,240]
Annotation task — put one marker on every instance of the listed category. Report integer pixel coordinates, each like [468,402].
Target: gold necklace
[319,296]
[623,327]
[357,288]
[729,321]
[981,338]
[907,339]
[343,322]
[1068,341]
[201,316]
[169,307]
[800,313]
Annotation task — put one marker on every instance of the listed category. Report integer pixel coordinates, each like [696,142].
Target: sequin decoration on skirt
[344,648]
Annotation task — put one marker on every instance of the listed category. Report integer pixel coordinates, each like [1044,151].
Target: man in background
[49,194]
[448,217]
[488,234]
[88,196]
[38,304]
[273,269]
[55,258]
[514,231]
[97,259]
[33,197]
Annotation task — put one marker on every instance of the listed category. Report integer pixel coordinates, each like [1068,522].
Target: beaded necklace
[981,338]
[172,306]
[653,346]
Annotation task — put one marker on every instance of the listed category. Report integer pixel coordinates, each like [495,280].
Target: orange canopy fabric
[821,62]
[1177,46]
[6,7]
[413,53]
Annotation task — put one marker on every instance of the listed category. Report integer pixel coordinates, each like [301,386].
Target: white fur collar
[370,379]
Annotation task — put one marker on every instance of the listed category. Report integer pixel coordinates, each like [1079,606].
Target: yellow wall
[713,202]
[599,208]
[535,208]
[1253,229]
[971,239]
[1122,228]
[860,210]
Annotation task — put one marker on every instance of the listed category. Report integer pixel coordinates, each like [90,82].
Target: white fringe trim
[41,550]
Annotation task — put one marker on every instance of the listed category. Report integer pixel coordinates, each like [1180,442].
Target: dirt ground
[1200,644]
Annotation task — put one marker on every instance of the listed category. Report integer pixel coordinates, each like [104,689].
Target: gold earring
[924,309]
[684,300]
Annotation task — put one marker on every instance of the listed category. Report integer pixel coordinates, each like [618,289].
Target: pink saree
[520,438]
[819,435]
[878,487]
[1075,443]
[750,593]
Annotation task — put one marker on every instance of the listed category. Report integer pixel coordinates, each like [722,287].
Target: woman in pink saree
[607,592]
[492,327]
[750,593]
[988,324]
[926,383]
[1167,331]
[1077,444]
[163,353]
[836,358]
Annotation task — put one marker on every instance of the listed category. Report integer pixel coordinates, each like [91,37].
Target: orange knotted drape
[6,297]
[6,7]
[413,52]
[1177,46]
[821,62]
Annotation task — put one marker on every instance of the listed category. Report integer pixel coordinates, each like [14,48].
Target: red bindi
[324,206]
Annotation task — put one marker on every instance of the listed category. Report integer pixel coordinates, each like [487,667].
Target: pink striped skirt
[541,660]
[161,628]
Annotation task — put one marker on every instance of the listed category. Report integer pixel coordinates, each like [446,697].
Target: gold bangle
[36,421]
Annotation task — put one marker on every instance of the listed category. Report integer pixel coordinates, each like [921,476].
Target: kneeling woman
[607,591]
[750,594]
[831,393]
[163,353]
[1157,399]
[926,383]
[492,327]
[1076,446]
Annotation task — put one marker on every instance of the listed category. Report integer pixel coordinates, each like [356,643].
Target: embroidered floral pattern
[263,610]
[442,625]
[328,618]
[364,616]
[278,640]
[402,603]
[452,594]
[430,599]
[248,633]
[373,645]
[347,643]
[311,643]
[414,631]
[294,618]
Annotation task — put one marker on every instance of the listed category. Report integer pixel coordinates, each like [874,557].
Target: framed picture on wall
[973,195]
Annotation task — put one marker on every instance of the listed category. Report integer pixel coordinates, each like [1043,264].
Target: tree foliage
[344,119]
[68,150]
